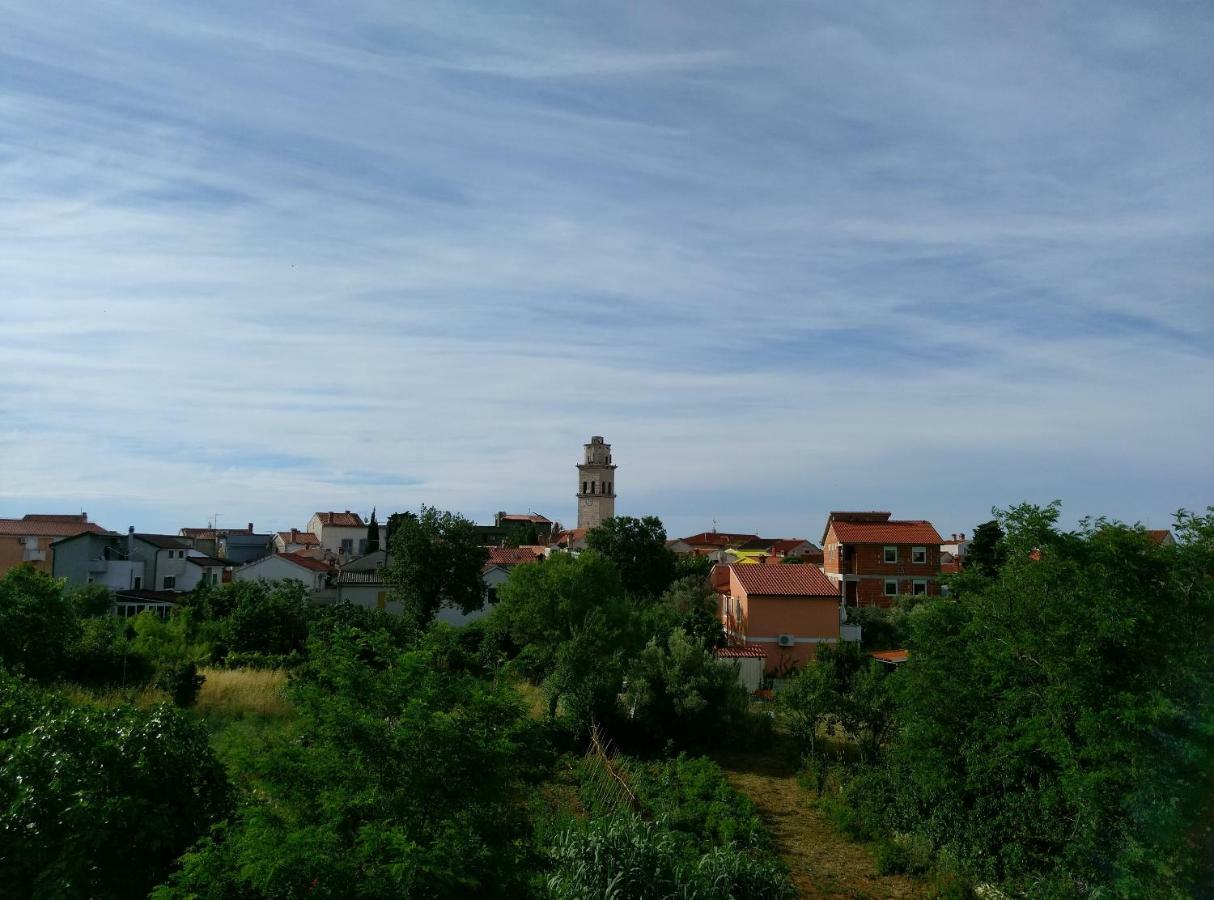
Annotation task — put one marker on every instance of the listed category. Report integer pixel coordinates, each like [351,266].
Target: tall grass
[143,696]
[237,693]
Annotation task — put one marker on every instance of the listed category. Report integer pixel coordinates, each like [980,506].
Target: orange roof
[910,531]
[1159,535]
[47,527]
[570,535]
[295,536]
[895,657]
[306,562]
[739,653]
[511,556]
[345,519]
[785,581]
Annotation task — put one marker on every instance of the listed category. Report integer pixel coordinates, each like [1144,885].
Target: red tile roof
[889,656]
[739,653]
[46,527]
[55,517]
[785,581]
[909,531]
[527,517]
[294,536]
[345,519]
[306,562]
[569,536]
[1159,535]
[511,556]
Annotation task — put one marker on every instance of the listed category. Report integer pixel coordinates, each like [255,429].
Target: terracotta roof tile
[294,536]
[785,581]
[748,652]
[525,517]
[511,556]
[306,562]
[892,532]
[46,528]
[889,656]
[345,519]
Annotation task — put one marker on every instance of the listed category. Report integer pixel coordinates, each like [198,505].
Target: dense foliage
[638,549]
[435,559]
[403,781]
[1053,729]
[95,802]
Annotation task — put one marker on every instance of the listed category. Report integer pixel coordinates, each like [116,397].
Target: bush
[181,681]
[102,654]
[37,623]
[99,803]
[691,795]
[623,856]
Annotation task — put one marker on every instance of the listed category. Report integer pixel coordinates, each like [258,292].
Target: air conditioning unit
[786,640]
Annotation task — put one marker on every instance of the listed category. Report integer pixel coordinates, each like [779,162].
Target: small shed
[748,662]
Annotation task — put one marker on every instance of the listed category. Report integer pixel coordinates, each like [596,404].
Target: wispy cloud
[266,260]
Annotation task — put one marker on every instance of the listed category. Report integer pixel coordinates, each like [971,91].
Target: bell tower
[596,485]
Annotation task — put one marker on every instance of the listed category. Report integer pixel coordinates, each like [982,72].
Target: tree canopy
[435,558]
[638,548]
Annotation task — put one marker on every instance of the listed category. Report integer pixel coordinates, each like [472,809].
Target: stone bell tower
[596,485]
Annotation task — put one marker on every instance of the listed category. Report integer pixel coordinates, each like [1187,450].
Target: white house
[342,535]
[313,573]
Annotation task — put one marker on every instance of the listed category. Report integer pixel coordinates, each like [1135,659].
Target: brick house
[28,540]
[874,558]
[785,611]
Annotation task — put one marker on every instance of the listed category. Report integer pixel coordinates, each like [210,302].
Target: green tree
[436,558]
[986,554]
[808,700]
[1053,728]
[572,627]
[522,534]
[372,533]
[99,803]
[638,548]
[37,623]
[692,605]
[408,779]
[677,691]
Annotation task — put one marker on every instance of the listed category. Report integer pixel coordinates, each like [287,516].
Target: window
[592,485]
[919,587]
[919,555]
[347,546]
[891,554]
[891,587]
[138,585]
[214,578]
[362,546]
[170,582]
[492,595]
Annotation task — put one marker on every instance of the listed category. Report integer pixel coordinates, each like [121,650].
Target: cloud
[786,257]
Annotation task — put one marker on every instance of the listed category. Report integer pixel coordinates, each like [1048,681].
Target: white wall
[275,568]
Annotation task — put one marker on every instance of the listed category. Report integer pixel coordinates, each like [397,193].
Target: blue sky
[264,259]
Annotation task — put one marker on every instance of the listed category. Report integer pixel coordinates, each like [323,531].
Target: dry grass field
[236,693]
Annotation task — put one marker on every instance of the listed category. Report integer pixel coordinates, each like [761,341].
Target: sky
[258,260]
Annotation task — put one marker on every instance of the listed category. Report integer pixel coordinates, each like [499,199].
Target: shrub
[99,803]
[691,795]
[180,679]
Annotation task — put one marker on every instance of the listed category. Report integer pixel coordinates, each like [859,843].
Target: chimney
[130,541]
[250,528]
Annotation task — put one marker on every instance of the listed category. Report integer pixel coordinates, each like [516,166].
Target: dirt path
[824,863]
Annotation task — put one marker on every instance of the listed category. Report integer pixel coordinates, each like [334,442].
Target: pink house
[786,611]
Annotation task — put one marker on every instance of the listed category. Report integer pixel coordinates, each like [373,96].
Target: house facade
[312,573]
[872,559]
[786,611]
[296,541]
[342,536]
[134,562]
[28,540]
